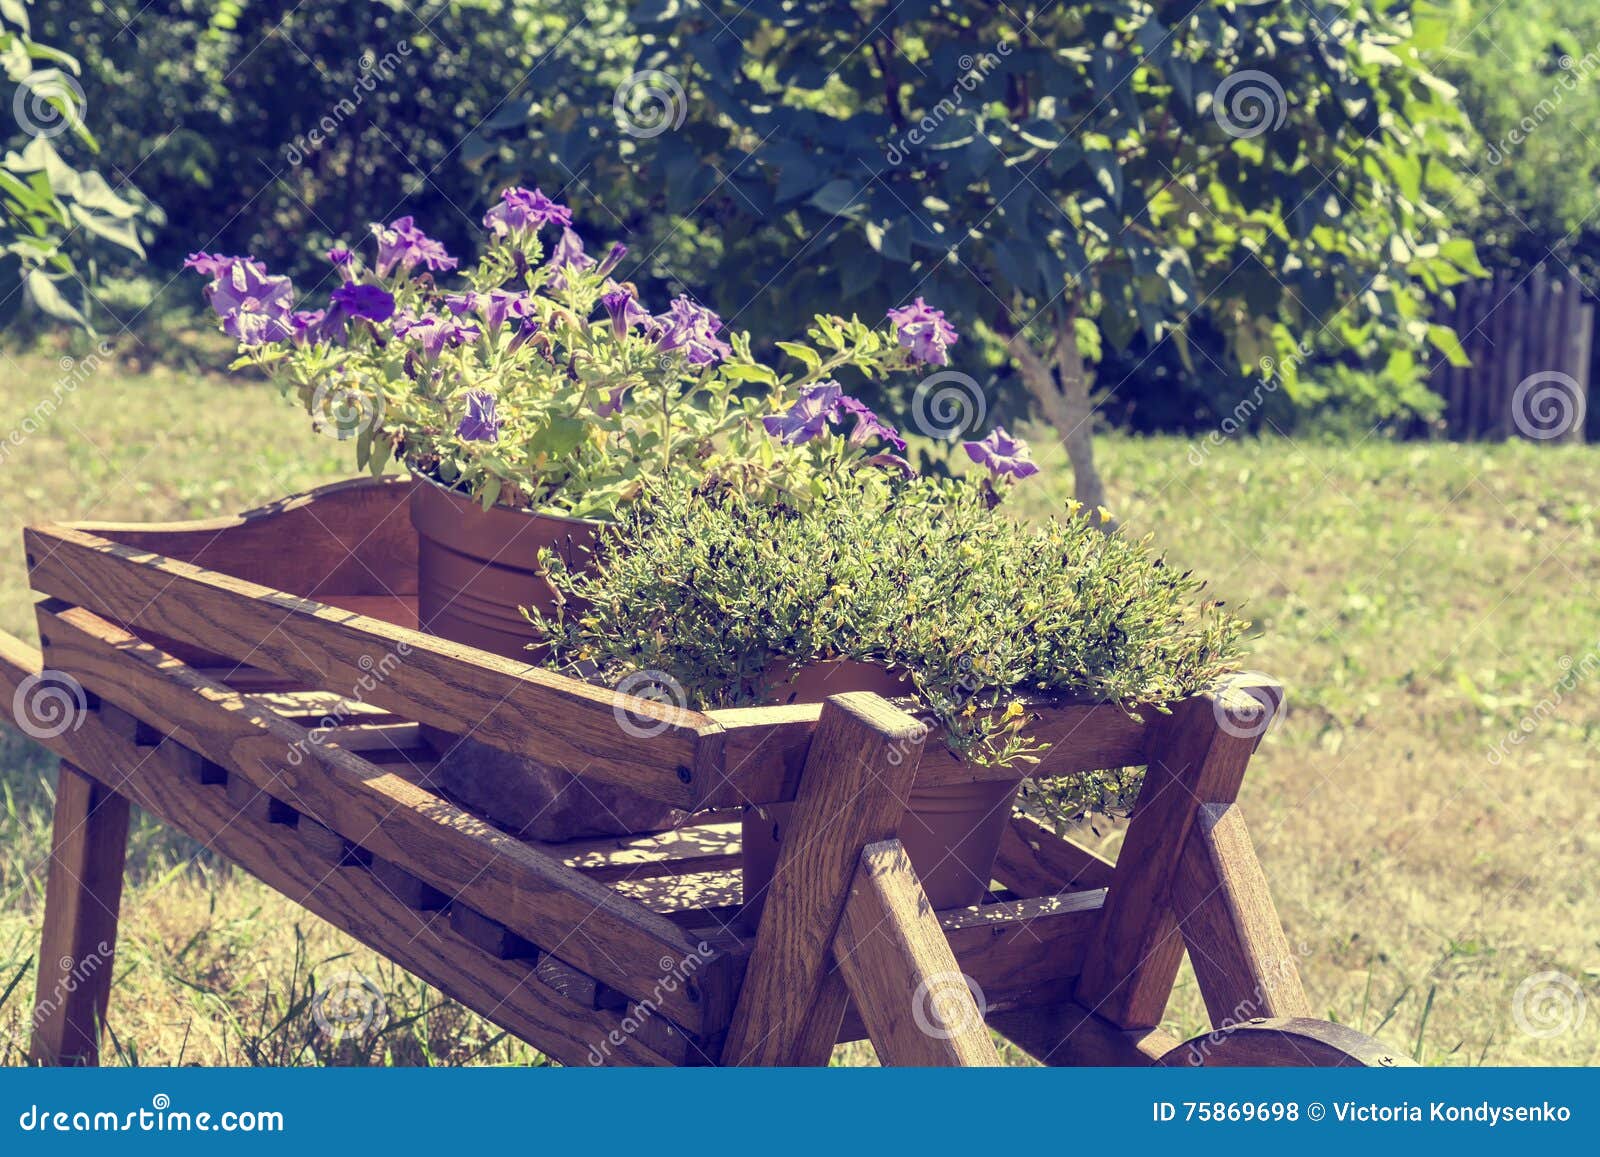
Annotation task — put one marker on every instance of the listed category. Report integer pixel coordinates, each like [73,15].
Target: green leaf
[43,293]
[803,353]
[1444,339]
[837,196]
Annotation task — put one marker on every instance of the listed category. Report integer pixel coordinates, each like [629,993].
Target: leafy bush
[52,214]
[723,593]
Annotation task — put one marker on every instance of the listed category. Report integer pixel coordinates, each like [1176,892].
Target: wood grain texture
[1034,861]
[350,538]
[913,998]
[506,704]
[536,896]
[1024,951]
[1067,1034]
[83,895]
[1287,1042]
[1240,955]
[765,750]
[504,991]
[1198,754]
[858,776]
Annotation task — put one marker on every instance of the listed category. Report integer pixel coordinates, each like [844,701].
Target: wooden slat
[1020,951]
[83,893]
[1067,1034]
[857,779]
[351,538]
[500,702]
[704,847]
[766,750]
[503,991]
[538,897]
[1129,972]
[1034,861]
[897,964]
[1236,944]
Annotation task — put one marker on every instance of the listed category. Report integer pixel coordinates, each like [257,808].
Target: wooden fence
[1529,336]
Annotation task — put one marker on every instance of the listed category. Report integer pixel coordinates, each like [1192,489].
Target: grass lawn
[1422,604]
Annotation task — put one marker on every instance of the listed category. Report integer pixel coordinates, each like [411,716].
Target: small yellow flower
[1013,709]
[1105,515]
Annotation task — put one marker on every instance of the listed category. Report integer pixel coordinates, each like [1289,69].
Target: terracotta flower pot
[951,833]
[476,570]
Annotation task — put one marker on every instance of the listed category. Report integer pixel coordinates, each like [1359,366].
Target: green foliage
[1270,166]
[725,594]
[51,211]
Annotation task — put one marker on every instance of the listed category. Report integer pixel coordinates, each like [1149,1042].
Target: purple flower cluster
[924,331]
[624,310]
[435,334]
[482,422]
[495,307]
[692,329]
[824,403]
[521,210]
[401,245]
[254,306]
[567,254]
[1002,455]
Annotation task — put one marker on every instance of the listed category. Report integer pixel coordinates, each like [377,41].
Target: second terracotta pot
[476,570]
[951,832]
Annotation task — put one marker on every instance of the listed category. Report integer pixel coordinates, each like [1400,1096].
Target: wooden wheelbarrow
[258,683]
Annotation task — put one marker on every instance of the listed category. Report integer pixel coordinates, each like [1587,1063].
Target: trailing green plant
[726,594]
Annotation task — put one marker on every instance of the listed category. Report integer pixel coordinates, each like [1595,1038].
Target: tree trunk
[1061,387]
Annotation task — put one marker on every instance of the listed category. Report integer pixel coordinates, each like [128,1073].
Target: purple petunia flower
[254,307]
[495,307]
[344,261]
[1002,454]
[369,301]
[482,423]
[808,417]
[624,310]
[305,326]
[567,254]
[613,259]
[693,329]
[520,209]
[869,425]
[613,404]
[402,244]
[436,334]
[924,331]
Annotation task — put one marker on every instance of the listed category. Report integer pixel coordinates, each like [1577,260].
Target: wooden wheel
[1285,1041]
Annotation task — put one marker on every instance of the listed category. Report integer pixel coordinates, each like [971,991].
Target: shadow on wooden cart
[282,730]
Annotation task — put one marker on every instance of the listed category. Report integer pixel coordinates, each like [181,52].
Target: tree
[48,208]
[1062,174]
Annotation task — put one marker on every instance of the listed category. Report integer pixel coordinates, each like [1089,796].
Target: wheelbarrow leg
[898,966]
[83,892]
